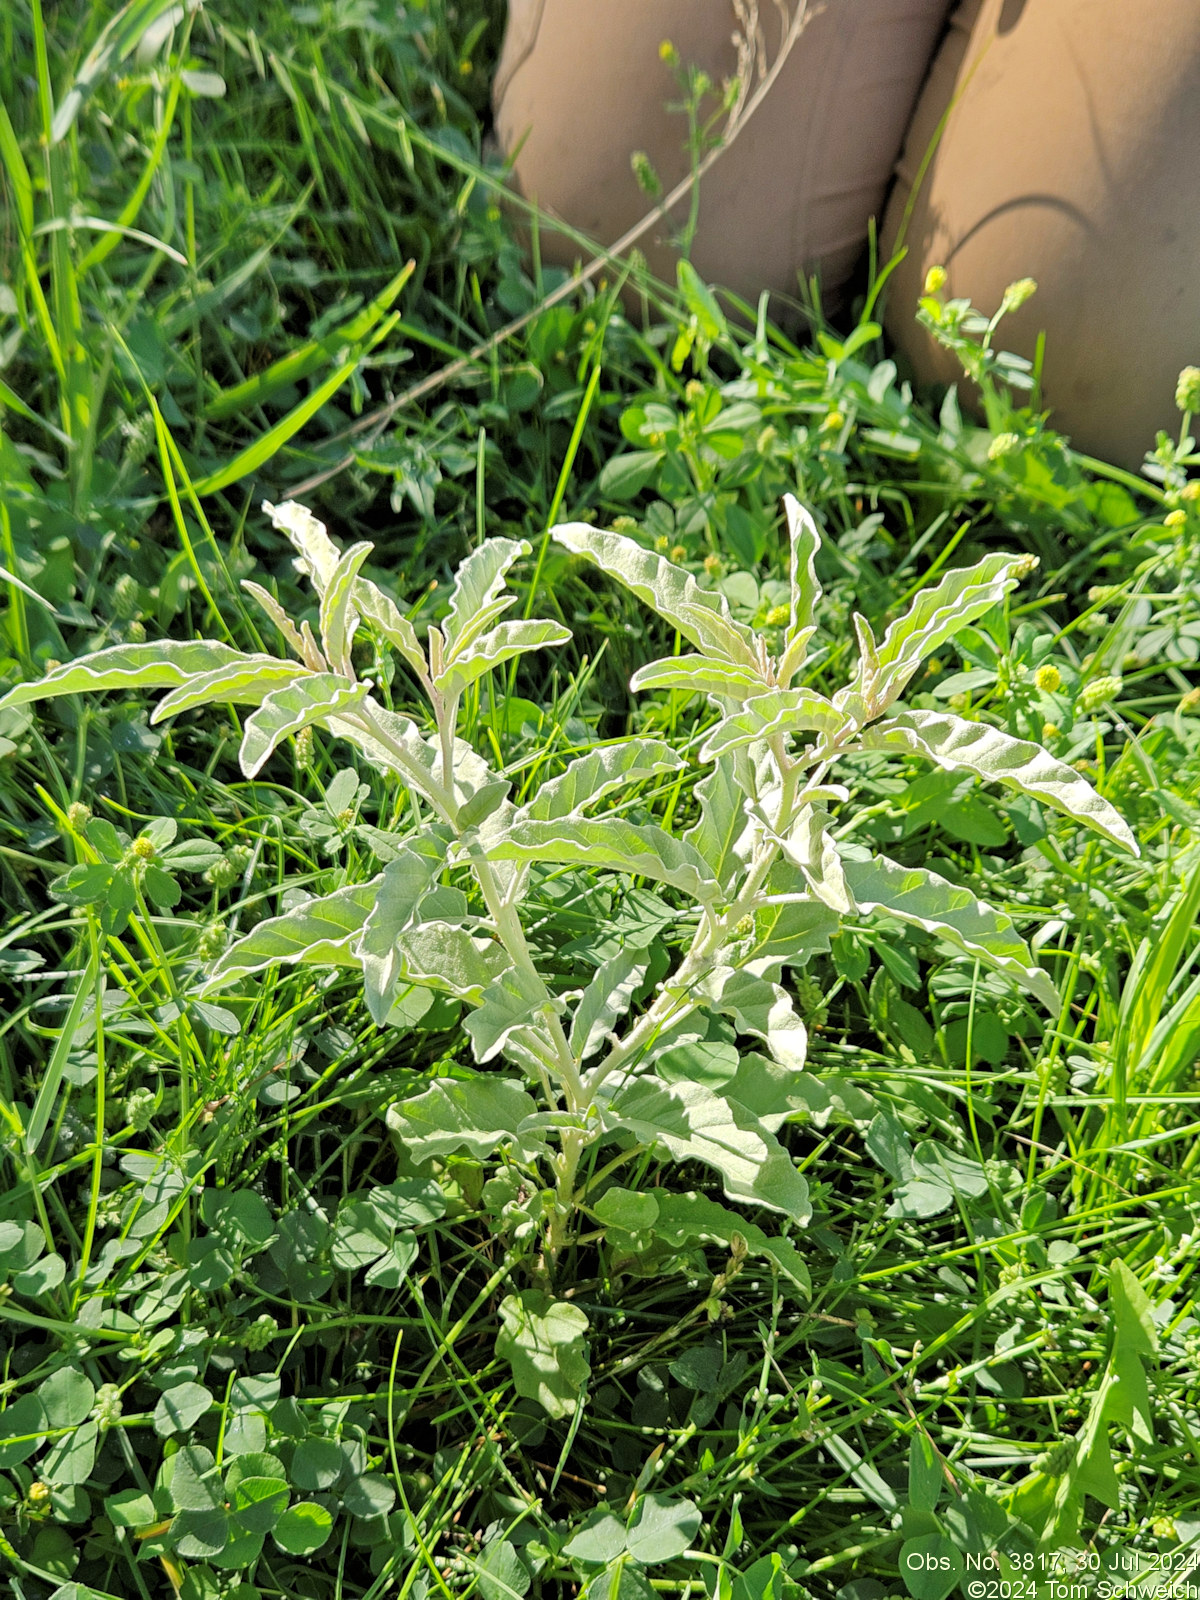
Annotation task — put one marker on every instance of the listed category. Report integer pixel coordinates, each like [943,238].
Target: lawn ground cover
[322,1275]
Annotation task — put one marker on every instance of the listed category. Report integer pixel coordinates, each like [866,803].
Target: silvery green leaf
[488,650]
[475,1114]
[163,665]
[685,1219]
[247,682]
[815,853]
[314,698]
[399,891]
[512,1002]
[406,754]
[934,617]
[268,603]
[477,598]
[790,924]
[450,959]
[339,615]
[952,913]
[320,932]
[317,552]
[779,711]
[696,1125]
[699,675]
[724,834]
[700,615]
[805,539]
[606,1000]
[610,842]
[598,772]
[999,758]
[543,1341]
[391,622]
[759,1008]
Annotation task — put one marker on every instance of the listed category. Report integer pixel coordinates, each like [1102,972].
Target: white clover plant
[759,880]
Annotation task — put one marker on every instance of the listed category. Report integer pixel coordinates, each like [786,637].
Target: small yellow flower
[668,53]
[1187,389]
[833,421]
[1048,678]
[1175,519]
[678,553]
[714,566]
[935,280]
[777,616]
[1017,293]
[1050,732]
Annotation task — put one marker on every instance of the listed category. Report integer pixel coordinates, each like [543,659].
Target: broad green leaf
[258,1503]
[724,834]
[22,1428]
[610,842]
[450,959]
[501,1572]
[685,1219]
[395,627]
[511,1003]
[629,1209]
[699,675]
[934,617]
[477,598]
[606,1000]
[952,913]
[700,615]
[600,1539]
[759,1008]
[779,711]
[318,933]
[180,1407]
[999,758]
[925,1480]
[317,551]
[246,682]
[67,1396]
[1132,1311]
[696,1125]
[303,1528]
[130,1508]
[599,772]
[932,1566]
[790,926]
[473,1114]
[339,615]
[543,1341]
[315,698]
[662,1528]
[163,665]
[488,650]
[398,893]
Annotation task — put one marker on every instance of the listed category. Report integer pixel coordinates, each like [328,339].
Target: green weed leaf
[543,1341]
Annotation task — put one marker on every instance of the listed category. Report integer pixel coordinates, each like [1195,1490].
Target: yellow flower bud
[1175,519]
[1187,389]
[1017,293]
[935,280]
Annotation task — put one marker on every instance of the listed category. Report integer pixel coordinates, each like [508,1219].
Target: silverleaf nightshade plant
[759,881]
